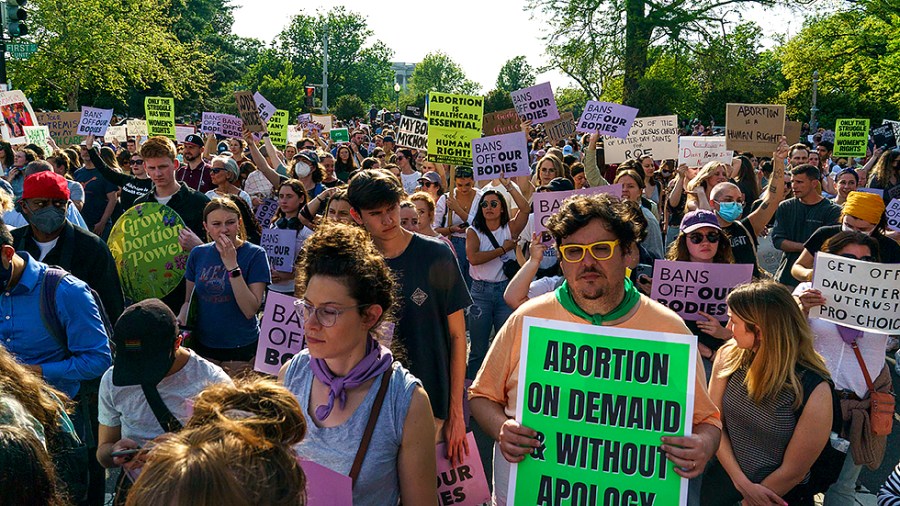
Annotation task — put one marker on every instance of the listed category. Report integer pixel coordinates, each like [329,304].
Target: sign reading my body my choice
[861,295]
[600,399]
[453,121]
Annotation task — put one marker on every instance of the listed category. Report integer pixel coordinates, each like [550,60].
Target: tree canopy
[437,72]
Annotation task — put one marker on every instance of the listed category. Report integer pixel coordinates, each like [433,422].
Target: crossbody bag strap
[493,239]
[862,366]
[370,426]
[165,417]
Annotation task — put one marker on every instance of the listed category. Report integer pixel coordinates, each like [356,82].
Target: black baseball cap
[194,139]
[558,184]
[145,337]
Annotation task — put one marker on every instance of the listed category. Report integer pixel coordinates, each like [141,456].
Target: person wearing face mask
[862,212]
[52,239]
[304,166]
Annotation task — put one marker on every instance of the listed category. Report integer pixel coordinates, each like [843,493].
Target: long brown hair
[678,250]
[29,389]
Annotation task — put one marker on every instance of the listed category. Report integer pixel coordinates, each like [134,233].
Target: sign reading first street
[21,50]
[600,399]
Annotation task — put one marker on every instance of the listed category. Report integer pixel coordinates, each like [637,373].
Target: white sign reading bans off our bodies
[861,295]
[655,136]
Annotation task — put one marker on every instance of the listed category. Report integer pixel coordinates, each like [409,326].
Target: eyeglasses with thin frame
[600,250]
[697,237]
[493,203]
[326,315]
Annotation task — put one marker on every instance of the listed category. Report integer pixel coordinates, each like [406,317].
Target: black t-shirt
[432,288]
[743,244]
[889,249]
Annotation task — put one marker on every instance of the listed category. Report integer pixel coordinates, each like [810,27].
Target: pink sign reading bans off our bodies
[280,333]
[691,287]
[465,484]
[612,120]
[325,487]
[535,103]
[547,203]
[222,124]
[500,156]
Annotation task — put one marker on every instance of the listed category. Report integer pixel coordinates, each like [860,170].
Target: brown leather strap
[862,365]
[370,425]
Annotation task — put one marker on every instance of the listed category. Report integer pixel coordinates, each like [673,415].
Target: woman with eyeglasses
[225,173]
[548,168]
[862,212]
[491,242]
[344,378]
[835,343]
[132,186]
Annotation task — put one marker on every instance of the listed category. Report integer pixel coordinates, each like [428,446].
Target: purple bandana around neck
[849,335]
[378,359]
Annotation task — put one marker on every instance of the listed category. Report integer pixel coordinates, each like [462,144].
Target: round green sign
[144,243]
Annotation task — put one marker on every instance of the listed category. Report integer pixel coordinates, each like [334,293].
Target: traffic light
[310,93]
[14,16]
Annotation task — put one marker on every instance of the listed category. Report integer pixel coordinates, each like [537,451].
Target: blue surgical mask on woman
[730,211]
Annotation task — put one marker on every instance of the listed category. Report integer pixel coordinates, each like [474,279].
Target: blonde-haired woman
[773,391]
[547,169]
[701,186]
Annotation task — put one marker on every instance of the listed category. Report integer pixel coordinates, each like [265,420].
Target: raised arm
[591,170]
[773,195]
[261,164]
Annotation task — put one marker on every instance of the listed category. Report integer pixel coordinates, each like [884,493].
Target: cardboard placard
[464,484]
[453,121]
[325,120]
[600,398]
[690,287]
[280,333]
[792,131]
[851,136]
[160,113]
[883,136]
[17,114]
[500,156]
[861,295]
[561,129]
[38,135]
[893,214]
[753,127]
[611,120]
[655,136]
[222,124]
[294,134]
[281,248]
[501,122]
[535,103]
[63,126]
[248,111]
[547,203]
[119,133]
[264,108]
[698,151]
[182,131]
[136,128]
[412,133]
[94,121]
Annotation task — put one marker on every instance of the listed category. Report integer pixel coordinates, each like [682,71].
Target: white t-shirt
[126,407]
[492,270]
[45,248]
[164,200]
[410,181]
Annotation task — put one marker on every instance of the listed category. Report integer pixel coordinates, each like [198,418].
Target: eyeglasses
[326,315]
[697,237]
[216,170]
[600,250]
[492,203]
[401,157]
[135,162]
[429,184]
[864,259]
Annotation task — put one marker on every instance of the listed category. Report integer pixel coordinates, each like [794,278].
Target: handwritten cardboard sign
[612,120]
[119,133]
[655,136]
[38,135]
[412,133]
[561,129]
[464,484]
[500,156]
[861,295]
[249,111]
[281,248]
[753,127]
[697,151]
[535,103]
[280,333]
[62,125]
[94,121]
[502,122]
[136,128]
[691,287]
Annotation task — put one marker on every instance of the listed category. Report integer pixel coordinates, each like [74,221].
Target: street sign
[21,50]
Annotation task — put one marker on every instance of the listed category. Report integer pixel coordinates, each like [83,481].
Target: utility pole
[325,72]
[813,126]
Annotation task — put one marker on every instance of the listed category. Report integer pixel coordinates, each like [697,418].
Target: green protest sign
[600,399]
[277,126]
[38,135]
[851,137]
[340,135]
[160,112]
[144,243]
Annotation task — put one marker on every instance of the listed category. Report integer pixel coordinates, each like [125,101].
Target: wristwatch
[235,273]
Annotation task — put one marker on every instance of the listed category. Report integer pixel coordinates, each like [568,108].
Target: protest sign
[501,122]
[453,121]
[876,191]
[893,214]
[281,248]
[266,211]
[221,124]
[160,113]
[304,118]
[500,156]
[340,135]
[412,133]
[62,126]
[264,108]
[144,244]
[655,136]
[277,128]
[547,203]
[38,135]
[119,133]
[828,135]
[414,111]
[294,134]
[753,127]
[464,484]
[611,120]
[325,487]
[697,151]
[861,295]
[895,124]
[883,136]
[792,131]
[94,121]
[600,399]
[248,111]
[560,129]
[323,119]
[17,114]
[280,333]
[691,287]
[851,137]
[535,103]
[182,131]
[136,128]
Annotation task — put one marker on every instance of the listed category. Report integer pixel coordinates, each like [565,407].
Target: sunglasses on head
[864,258]
[697,237]
[492,203]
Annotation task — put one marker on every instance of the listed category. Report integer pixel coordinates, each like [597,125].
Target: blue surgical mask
[730,211]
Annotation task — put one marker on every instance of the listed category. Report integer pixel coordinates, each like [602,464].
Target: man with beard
[195,172]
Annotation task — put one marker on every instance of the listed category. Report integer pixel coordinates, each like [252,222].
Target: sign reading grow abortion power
[144,243]
[600,399]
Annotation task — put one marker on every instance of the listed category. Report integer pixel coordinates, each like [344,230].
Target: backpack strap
[52,277]
[370,425]
[165,417]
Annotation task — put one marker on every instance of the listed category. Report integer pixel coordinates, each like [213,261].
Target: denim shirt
[23,333]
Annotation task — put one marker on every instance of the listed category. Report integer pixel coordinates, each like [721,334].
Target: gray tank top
[335,447]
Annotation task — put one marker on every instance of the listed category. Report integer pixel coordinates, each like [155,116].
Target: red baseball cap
[45,185]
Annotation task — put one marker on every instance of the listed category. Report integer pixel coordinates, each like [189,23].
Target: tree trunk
[637,43]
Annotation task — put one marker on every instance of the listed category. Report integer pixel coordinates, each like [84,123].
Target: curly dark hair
[620,218]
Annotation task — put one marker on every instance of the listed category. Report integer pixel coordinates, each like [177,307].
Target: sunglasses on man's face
[697,237]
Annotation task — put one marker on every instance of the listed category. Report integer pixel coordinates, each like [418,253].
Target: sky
[479,35]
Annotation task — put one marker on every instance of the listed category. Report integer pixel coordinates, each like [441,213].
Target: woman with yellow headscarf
[862,212]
